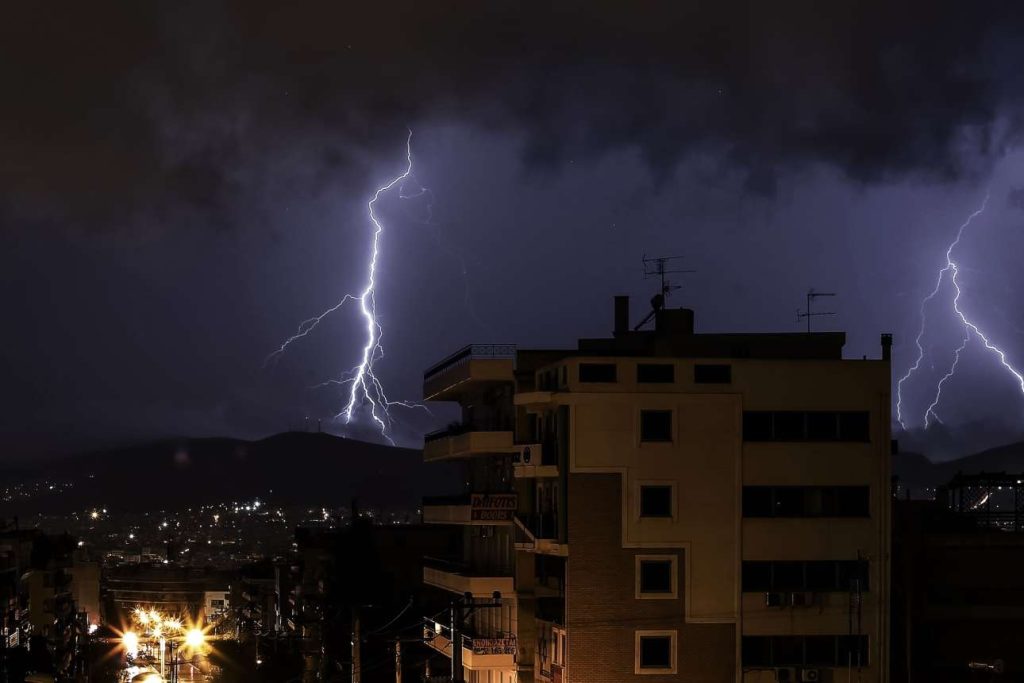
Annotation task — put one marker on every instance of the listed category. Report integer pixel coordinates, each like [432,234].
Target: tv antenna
[659,267]
[807,313]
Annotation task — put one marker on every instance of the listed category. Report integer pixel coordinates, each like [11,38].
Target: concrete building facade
[698,507]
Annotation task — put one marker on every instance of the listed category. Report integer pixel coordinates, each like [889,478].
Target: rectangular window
[804,651]
[712,374]
[815,576]
[597,372]
[655,373]
[812,425]
[656,501]
[655,425]
[655,652]
[806,501]
[854,426]
[656,577]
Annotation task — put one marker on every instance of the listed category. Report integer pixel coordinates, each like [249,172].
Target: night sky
[181,184]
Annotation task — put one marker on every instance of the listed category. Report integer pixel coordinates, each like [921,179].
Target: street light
[195,638]
[130,643]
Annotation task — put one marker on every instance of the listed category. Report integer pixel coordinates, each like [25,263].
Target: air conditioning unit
[785,675]
[774,599]
[810,675]
[802,599]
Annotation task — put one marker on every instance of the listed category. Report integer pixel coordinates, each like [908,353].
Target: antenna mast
[659,267]
[807,313]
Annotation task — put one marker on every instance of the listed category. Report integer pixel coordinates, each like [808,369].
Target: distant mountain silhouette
[917,472]
[289,468]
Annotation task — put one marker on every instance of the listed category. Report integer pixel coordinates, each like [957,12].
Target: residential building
[687,507]
[957,588]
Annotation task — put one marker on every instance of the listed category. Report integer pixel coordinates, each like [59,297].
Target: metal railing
[466,427]
[469,352]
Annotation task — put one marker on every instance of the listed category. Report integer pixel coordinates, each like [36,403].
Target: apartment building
[667,505]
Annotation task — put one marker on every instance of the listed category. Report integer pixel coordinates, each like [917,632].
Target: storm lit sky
[182,186]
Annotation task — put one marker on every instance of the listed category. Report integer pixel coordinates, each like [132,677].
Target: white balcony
[461,581]
[478,653]
[465,441]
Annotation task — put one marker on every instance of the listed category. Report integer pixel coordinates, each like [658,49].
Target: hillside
[289,468]
[917,472]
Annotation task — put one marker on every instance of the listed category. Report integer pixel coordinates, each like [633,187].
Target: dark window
[597,372]
[787,576]
[757,651]
[655,652]
[757,577]
[806,501]
[852,501]
[822,426]
[655,576]
[757,426]
[655,373]
[817,576]
[804,651]
[854,426]
[757,501]
[819,651]
[815,425]
[821,576]
[712,374]
[852,573]
[852,650]
[655,501]
[655,425]
[789,501]
[788,426]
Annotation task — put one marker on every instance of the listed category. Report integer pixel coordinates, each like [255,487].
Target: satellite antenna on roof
[806,313]
[659,267]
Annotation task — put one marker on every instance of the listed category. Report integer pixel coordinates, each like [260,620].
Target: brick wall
[602,612]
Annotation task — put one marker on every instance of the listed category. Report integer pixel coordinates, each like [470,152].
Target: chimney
[886,347]
[621,315]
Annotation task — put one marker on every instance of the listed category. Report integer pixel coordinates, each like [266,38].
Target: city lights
[195,638]
[130,643]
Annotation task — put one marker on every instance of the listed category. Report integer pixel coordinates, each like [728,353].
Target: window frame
[641,485]
[672,635]
[641,367]
[707,373]
[672,593]
[615,373]
[671,427]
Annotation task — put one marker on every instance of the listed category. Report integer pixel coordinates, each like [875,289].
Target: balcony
[478,653]
[539,533]
[466,440]
[457,577]
[474,509]
[446,380]
[536,460]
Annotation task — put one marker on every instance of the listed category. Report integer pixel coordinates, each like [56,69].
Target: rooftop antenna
[807,313]
[659,267]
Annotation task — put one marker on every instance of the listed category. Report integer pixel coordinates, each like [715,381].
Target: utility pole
[806,313]
[357,663]
[398,659]
[458,616]
[456,623]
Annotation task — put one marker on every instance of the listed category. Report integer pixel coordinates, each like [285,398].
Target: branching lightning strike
[969,328]
[364,386]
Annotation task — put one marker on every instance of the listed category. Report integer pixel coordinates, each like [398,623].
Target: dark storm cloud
[1015,198]
[136,112]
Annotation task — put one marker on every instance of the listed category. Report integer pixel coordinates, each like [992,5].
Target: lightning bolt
[953,270]
[364,387]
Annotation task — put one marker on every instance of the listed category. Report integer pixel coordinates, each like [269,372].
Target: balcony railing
[471,352]
[460,428]
[502,645]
